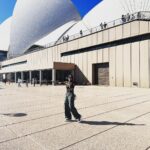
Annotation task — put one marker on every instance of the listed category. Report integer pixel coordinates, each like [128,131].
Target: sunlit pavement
[112,118]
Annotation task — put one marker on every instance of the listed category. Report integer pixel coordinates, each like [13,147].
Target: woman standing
[69,101]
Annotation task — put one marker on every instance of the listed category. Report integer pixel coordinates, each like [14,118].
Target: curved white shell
[5,34]
[34,19]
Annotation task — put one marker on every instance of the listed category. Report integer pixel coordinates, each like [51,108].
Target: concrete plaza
[113,118]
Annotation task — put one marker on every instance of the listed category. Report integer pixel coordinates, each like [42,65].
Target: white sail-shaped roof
[34,19]
[56,34]
[5,34]
[106,11]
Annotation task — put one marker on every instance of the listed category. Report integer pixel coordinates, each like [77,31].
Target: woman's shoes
[79,119]
[68,120]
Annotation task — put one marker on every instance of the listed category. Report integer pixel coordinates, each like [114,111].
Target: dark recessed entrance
[47,77]
[61,75]
[101,74]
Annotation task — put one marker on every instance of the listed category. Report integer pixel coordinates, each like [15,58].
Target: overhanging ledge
[63,66]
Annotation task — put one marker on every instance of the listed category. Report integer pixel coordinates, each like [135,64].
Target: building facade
[115,56]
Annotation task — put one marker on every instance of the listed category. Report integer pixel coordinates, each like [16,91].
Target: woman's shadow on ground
[110,123]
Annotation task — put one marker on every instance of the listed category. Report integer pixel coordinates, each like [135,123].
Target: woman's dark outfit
[69,102]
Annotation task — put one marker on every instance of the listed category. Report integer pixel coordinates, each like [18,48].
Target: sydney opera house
[105,43]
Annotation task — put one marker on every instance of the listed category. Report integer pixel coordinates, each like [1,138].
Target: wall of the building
[35,61]
[128,63]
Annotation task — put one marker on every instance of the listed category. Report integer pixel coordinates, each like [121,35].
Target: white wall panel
[100,56]
[127,65]
[99,37]
[119,32]
[50,59]
[143,27]
[112,34]
[80,65]
[94,56]
[73,45]
[135,28]
[94,39]
[82,42]
[69,59]
[105,55]
[64,47]
[58,53]
[65,59]
[126,30]
[135,63]
[77,64]
[119,65]
[89,41]
[85,65]
[90,59]
[112,66]
[105,36]
[72,59]
[144,64]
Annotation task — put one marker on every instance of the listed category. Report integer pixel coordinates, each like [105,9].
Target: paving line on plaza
[95,95]
[29,134]
[50,107]
[29,106]
[104,131]
[29,137]
[115,101]
[92,106]
[37,143]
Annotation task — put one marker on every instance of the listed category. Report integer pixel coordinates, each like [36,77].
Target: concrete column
[15,77]
[22,76]
[3,76]
[53,76]
[30,76]
[9,76]
[40,77]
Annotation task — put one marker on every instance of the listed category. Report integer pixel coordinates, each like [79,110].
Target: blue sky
[6,9]
[7,6]
[84,6]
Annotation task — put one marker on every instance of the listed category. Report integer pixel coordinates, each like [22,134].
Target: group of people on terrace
[103,25]
[129,17]
[65,38]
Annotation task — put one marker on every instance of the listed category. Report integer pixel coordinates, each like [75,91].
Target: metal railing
[144,15]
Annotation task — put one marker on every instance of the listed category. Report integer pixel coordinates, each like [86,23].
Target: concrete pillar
[15,77]
[53,76]
[30,76]
[9,76]
[3,76]
[40,77]
[22,76]
[6,74]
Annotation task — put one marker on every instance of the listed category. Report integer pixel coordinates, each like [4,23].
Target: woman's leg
[67,109]
[72,107]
